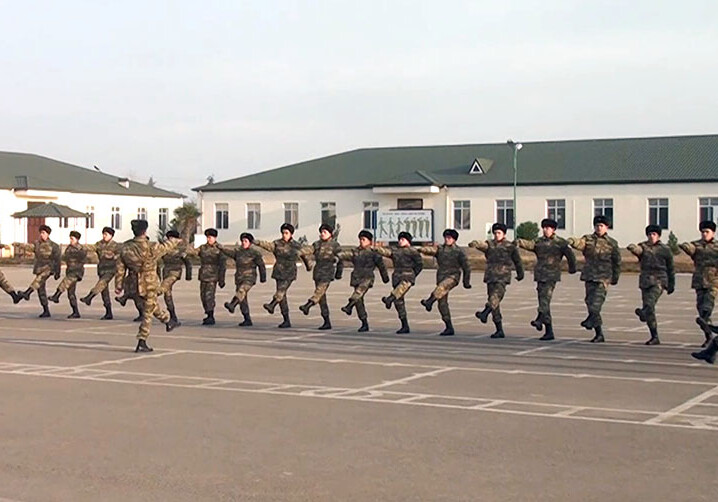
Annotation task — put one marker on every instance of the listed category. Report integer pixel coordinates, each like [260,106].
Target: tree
[528,230]
[185,220]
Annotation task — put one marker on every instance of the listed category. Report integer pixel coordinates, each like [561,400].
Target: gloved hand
[221,284]
[263,279]
[57,275]
[671,288]
[467,285]
[520,275]
[614,281]
[385,279]
[572,270]
[338,274]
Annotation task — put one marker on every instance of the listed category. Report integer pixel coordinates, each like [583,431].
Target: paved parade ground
[229,413]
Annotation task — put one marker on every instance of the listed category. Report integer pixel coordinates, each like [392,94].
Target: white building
[670,181]
[27,180]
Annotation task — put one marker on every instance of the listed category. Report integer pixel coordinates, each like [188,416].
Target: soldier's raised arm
[615,263]
[160,249]
[345,255]
[479,245]
[570,257]
[518,264]
[266,245]
[579,243]
[527,244]
[688,247]
[382,251]
[428,250]
[635,249]
[306,254]
[228,252]
[25,248]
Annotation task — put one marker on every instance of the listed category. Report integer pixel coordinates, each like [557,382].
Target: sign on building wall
[419,223]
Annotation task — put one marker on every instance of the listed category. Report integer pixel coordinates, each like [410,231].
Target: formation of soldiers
[136,266]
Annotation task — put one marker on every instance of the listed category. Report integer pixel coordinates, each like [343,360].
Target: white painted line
[545,347]
[683,406]
[400,381]
[153,355]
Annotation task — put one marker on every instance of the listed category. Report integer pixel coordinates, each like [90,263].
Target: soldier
[327,267]
[603,267]
[657,274]
[142,256]
[75,255]
[6,286]
[364,260]
[172,264]
[407,265]
[451,262]
[286,251]
[704,253]
[47,263]
[212,271]
[108,252]
[247,261]
[131,291]
[549,250]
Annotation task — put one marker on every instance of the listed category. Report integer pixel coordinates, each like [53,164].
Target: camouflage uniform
[284,272]
[408,264]
[364,260]
[451,262]
[705,275]
[172,265]
[212,271]
[141,256]
[247,262]
[131,291]
[657,274]
[108,254]
[603,267]
[327,267]
[549,252]
[5,284]
[501,257]
[47,263]
[74,257]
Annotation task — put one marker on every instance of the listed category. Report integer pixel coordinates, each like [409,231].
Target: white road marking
[152,355]
[545,347]
[678,410]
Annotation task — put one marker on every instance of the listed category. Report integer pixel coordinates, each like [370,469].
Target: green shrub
[528,230]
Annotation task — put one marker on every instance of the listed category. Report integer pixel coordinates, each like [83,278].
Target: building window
[163,218]
[329,214]
[604,207]
[291,213]
[708,209]
[658,212]
[462,214]
[64,222]
[556,210]
[410,203]
[254,215]
[370,210]
[90,221]
[221,216]
[116,218]
[505,212]
[142,213]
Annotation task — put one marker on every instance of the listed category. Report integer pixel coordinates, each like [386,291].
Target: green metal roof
[50,210]
[33,172]
[600,161]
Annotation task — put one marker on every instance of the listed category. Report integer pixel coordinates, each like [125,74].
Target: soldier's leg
[595,297]
[324,309]
[358,294]
[7,287]
[445,312]
[320,291]
[398,293]
[545,294]
[72,298]
[64,285]
[440,291]
[42,296]
[284,309]
[590,288]
[279,297]
[208,291]
[649,297]
[598,299]
[169,302]
[107,303]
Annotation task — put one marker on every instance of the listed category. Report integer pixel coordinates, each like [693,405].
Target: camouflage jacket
[327,265]
[212,263]
[656,264]
[108,254]
[705,259]
[364,261]
[47,256]
[141,257]
[407,263]
[176,260]
[549,253]
[450,260]
[74,257]
[501,257]
[286,254]
[603,258]
[247,262]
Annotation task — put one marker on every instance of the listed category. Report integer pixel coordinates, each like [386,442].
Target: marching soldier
[327,267]
[6,286]
[451,262]
[130,292]
[172,264]
[47,263]
[247,261]
[212,271]
[364,260]
[550,250]
[704,253]
[108,252]
[408,264]
[603,267]
[142,256]
[75,255]
[286,251]
[657,275]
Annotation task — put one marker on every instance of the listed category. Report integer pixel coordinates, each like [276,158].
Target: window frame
[561,221]
[256,209]
[464,220]
[657,207]
[509,206]
[612,217]
[221,215]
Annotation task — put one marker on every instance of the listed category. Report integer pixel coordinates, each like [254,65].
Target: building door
[33,224]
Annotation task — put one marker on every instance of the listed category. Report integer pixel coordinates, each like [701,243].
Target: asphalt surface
[229,413]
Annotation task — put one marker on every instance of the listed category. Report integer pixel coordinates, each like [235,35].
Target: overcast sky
[183,89]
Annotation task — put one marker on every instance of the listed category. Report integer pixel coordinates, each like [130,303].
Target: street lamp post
[515,147]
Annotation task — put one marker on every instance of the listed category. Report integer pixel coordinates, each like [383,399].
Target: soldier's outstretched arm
[527,244]
[579,243]
[688,247]
[345,256]
[482,246]
[570,258]
[160,249]
[518,263]
[266,245]
[25,248]
[635,249]
[228,252]
[428,250]
[615,264]
[382,251]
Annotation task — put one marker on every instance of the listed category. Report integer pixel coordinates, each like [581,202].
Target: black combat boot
[25,295]
[654,337]
[143,347]
[172,324]
[108,313]
[122,300]
[641,313]
[16,296]
[305,308]
[589,322]
[87,300]
[448,329]
[209,320]
[173,314]
[709,353]
[404,327]
[598,337]
[347,309]
[483,316]
[285,322]
[269,307]
[429,303]
[388,300]
[247,321]
[499,333]
[364,326]
[45,312]
[549,332]
[75,313]
[706,327]
[538,322]
[231,305]
[55,298]
[327,324]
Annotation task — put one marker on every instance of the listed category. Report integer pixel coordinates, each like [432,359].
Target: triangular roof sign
[476,168]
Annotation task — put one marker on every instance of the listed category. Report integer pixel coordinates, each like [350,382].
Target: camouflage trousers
[5,284]
[441,293]
[166,286]
[320,296]
[280,295]
[208,292]
[102,287]
[399,291]
[242,290]
[69,284]
[649,297]
[38,284]
[705,301]
[495,292]
[151,309]
[545,290]
[595,297]
[131,292]
[358,297]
